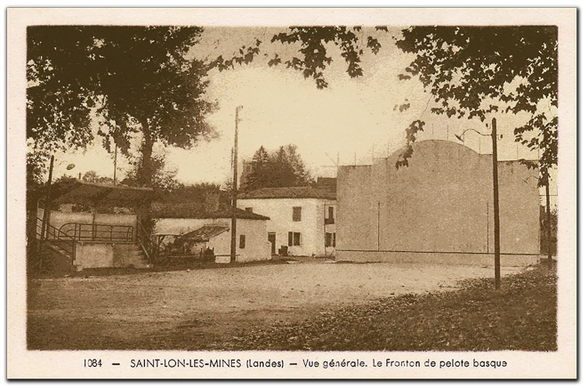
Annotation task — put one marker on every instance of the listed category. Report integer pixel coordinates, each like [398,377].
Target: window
[330,239]
[241,241]
[249,209]
[293,238]
[334,240]
[330,219]
[296,214]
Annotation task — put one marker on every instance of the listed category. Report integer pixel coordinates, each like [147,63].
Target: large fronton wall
[438,209]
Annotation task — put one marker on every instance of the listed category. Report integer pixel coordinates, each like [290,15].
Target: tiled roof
[302,192]
[199,211]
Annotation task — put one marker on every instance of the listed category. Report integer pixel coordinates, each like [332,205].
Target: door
[271,236]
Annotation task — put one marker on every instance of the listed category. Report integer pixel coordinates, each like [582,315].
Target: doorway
[271,236]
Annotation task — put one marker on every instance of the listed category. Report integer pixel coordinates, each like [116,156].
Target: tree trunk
[145,179]
[145,169]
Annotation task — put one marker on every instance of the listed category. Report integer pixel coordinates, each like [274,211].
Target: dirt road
[204,309]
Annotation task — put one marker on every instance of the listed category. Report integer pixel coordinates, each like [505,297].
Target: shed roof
[302,192]
[77,191]
[204,233]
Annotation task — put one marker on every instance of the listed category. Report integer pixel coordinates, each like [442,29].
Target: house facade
[302,219]
[195,221]
[439,209]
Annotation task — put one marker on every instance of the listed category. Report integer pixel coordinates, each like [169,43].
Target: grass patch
[521,315]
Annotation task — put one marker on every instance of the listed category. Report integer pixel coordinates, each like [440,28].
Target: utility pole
[378,226]
[47,210]
[495,193]
[234,191]
[496,209]
[115,152]
[548,219]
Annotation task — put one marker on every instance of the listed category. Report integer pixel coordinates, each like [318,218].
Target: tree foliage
[474,72]
[195,193]
[314,57]
[136,78]
[163,177]
[281,168]
[261,171]
[471,72]
[92,176]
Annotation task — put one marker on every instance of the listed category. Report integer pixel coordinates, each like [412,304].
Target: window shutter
[296,214]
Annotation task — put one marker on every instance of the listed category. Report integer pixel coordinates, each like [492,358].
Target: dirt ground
[205,309]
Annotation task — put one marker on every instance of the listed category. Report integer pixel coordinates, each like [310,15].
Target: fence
[98,232]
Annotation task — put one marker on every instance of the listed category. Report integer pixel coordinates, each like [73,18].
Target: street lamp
[496,202]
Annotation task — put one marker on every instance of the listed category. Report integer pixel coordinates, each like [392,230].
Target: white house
[208,225]
[302,219]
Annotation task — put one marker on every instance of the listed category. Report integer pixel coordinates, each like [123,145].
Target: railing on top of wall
[57,238]
[98,232]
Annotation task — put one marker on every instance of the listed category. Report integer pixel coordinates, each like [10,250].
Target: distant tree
[546,224]
[195,193]
[163,177]
[260,174]
[302,176]
[92,176]
[282,171]
[282,168]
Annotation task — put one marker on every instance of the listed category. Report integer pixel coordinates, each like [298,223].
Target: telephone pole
[234,191]
[115,155]
[548,220]
[496,205]
[495,196]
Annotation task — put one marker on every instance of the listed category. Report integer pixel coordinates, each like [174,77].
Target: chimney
[211,201]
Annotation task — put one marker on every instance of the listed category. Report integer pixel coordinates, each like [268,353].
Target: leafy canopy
[471,72]
[136,78]
[314,41]
[474,72]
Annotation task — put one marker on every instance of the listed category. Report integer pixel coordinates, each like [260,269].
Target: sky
[353,121]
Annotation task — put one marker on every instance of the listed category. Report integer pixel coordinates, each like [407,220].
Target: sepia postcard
[277,193]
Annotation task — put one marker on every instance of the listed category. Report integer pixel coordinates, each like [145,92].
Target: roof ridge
[289,192]
[184,211]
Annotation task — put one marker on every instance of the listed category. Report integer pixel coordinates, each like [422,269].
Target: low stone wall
[103,255]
